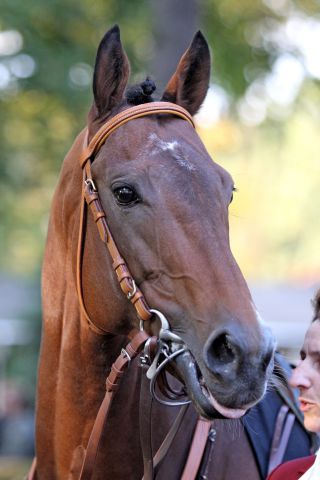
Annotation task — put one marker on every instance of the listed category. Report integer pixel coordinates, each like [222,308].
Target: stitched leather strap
[112,385]
[198,445]
[124,276]
[81,238]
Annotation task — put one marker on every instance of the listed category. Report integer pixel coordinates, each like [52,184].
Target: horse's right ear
[111,73]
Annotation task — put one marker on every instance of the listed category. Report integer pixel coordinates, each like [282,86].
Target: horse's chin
[203,400]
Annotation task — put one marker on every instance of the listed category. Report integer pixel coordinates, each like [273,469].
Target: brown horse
[166,203]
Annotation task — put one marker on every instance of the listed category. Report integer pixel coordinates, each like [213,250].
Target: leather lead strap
[145,424]
[151,465]
[163,450]
[112,385]
[198,445]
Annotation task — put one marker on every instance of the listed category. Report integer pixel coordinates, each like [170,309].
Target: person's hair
[316,306]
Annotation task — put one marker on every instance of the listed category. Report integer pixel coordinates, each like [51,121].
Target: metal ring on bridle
[169,403]
[165,333]
[90,183]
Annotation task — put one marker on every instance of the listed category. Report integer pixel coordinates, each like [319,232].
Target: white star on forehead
[159,145]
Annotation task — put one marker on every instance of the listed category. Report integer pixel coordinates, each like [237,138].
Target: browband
[121,118]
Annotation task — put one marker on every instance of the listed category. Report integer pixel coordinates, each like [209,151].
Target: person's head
[306,376]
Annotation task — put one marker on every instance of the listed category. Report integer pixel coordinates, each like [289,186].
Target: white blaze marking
[173,146]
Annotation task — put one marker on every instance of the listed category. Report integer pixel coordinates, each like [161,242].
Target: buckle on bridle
[133,291]
[90,184]
[124,353]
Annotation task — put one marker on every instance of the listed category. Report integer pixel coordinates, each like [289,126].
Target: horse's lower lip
[203,400]
[227,412]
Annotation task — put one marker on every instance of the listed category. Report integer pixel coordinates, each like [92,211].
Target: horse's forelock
[141,93]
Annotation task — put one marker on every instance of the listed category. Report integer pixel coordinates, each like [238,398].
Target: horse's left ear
[189,84]
[111,73]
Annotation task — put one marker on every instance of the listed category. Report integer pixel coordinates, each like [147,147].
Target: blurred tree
[174,22]
[47,51]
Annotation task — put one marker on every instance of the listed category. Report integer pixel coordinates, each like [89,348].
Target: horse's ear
[111,72]
[189,84]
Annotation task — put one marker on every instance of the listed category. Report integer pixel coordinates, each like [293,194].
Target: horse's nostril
[222,349]
[221,354]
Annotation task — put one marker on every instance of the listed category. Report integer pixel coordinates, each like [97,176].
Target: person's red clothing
[292,470]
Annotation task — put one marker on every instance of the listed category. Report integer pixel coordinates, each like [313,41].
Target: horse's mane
[141,93]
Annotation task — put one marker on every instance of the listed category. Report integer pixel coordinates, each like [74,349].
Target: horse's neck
[74,360]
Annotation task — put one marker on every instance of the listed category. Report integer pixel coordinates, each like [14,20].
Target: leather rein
[139,339]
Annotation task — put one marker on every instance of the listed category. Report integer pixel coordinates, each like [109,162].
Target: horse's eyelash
[234,189]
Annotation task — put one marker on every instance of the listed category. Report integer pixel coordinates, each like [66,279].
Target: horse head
[166,203]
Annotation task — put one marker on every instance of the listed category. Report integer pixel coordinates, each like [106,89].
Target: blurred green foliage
[40,115]
[14,468]
[42,111]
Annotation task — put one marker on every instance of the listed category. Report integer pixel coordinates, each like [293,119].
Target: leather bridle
[90,197]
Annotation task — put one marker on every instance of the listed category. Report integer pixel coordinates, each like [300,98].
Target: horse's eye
[125,195]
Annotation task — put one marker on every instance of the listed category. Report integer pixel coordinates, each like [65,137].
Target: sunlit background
[260,121]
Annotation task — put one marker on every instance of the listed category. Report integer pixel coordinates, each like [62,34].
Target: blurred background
[261,121]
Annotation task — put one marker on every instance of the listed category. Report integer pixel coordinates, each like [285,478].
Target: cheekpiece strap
[91,198]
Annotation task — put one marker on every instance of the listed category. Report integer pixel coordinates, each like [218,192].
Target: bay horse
[159,199]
